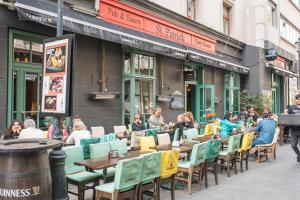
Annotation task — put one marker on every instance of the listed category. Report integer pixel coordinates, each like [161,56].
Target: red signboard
[279,62]
[129,17]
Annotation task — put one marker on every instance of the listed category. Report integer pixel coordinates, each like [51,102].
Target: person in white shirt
[30,130]
[79,132]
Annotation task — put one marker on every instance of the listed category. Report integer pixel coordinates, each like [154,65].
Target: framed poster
[56,88]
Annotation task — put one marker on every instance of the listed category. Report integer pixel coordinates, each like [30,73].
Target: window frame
[226,18]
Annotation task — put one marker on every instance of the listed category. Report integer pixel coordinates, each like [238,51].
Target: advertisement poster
[56,66]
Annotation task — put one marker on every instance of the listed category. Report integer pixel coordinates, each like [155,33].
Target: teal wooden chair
[189,134]
[150,174]
[231,153]
[127,179]
[195,165]
[101,151]
[76,175]
[153,132]
[176,135]
[119,145]
[211,158]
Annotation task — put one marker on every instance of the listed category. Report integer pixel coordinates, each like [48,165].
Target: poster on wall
[56,87]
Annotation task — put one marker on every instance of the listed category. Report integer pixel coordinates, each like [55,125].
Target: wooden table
[186,148]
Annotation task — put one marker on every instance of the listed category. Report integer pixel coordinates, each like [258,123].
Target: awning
[281,72]
[44,12]
[216,61]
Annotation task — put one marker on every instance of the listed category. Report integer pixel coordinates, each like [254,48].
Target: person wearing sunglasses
[137,124]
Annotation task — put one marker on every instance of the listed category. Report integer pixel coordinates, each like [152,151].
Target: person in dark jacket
[137,124]
[295,130]
[13,131]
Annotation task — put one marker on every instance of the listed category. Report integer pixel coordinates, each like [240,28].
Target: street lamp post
[57,156]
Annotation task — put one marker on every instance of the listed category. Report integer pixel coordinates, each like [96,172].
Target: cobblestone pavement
[271,180]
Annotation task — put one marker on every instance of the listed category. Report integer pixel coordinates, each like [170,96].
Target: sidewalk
[271,180]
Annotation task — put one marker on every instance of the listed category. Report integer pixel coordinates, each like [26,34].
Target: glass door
[232,93]
[205,96]
[26,93]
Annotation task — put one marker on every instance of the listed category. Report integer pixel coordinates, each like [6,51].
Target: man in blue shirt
[266,129]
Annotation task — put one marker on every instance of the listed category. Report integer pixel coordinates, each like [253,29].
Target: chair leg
[205,174]
[228,165]
[216,171]
[140,192]
[274,153]
[81,192]
[241,161]
[158,189]
[200,175]
[173,188]
[235,167]
[190,177]
[247,157]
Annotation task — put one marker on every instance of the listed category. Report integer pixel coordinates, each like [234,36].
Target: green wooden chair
[150,174]
[127,179]
[119,145]
[153,132]
[101,151]
[176,135]
[231,153]
[189,134]
[193,166]
[76,175]
[211,158]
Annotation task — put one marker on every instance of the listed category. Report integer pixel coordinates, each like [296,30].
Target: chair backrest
[169,163]
[198,154]
[119,145]
[99,150]
[209,129]
[147,142]
[73,154]
[153,132]
[234,143]
[128,173]
[164,139]
[119,129]
[247,141]
[108,138]
[85,143]
[176,135]
[135,138]
[191,133]
[212,149]
[276,135]
[150,167]
[97,131]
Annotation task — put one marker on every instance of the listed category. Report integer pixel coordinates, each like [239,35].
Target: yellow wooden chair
[168,170]
[245,148]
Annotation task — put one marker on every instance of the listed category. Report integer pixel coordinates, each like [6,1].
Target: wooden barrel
[24,169]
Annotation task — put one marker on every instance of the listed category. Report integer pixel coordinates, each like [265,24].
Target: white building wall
[178,6]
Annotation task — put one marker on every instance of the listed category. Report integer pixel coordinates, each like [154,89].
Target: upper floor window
[288,32]
[272,14]
[191,9]
[226,19]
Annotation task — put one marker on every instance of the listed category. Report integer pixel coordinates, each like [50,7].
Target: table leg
[105,175]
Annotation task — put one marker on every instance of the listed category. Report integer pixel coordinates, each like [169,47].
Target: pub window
[232,93]
[226,19]
[272,14]
[27,51]
[138,85]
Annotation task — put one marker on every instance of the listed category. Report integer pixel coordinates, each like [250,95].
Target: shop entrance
[190,97]
[25,75]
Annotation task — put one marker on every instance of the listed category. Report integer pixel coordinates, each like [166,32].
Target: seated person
[79,132]
[266,128]
[30,130]
[227,125]
[137,124]
[188,120]
[13,131]
[156,120]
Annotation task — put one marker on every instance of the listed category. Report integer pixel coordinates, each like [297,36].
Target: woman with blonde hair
[79,132]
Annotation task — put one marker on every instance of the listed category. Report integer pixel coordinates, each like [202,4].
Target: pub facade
[129,57]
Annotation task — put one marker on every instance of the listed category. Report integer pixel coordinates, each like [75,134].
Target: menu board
[56,75]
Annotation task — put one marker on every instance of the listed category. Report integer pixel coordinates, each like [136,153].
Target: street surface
[271,180]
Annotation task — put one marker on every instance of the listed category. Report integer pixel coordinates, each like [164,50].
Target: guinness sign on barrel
[271,54]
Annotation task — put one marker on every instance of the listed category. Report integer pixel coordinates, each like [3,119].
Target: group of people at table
[247,120]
